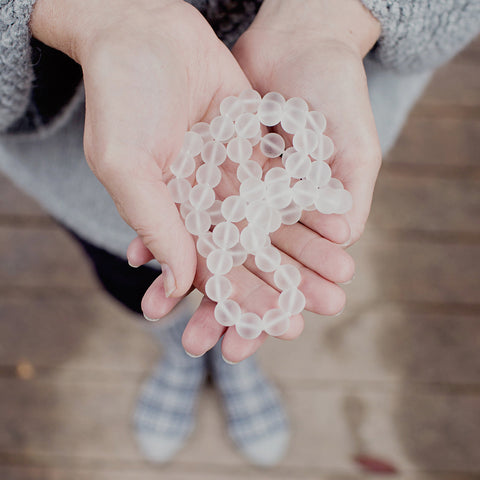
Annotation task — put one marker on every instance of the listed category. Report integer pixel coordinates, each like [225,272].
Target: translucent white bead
[252,189]
[345,202]
[272,145]
[215,212]
[294,115]
[291,301]
[304,193]
[270,110]
[251,100]
[267,259]
[276,322]
[327,200]
[183,166]
[192,143]
[287,276]
[253,238]
[218,288]
[226,235]
[291,214]
[320,173]
[238,253]
[256,139]
[324,149]
[247,169]
[185,208]
[278,195]
[316,121]
[233,208]
[219,262]
[179,189]
[205,244]
[239,150]
[249,326]
[227,313]
[298,165]
[335,183]
[197,222]
[203,129]
[277,175]
[310,208]
[209,174]
[222,128]
[305,141]
[214,152]
[263,216]
[201,196]
[247,125]
[231,107]
[287,153]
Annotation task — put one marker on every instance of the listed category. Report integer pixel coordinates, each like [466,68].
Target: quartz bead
[239,150]
[251,100]
[209,174]
[222,128]
[192,143]
[247,126]
[272,145]
[253,238]
[179,189]
[234,208]
[316,121]
[218,288]
[325,148]
[231,107]
[276,322]
[305,141]
[320,173]
[287,276]
[205,244]
[219,262]
[304,193]
[298,165]
[214,152]
[291,301]
[249,326]
[197,222]
[226,235]
[215,212]
[252,189]
[227,313]
[183,166]
[268,259]
[201,196]
[247,169]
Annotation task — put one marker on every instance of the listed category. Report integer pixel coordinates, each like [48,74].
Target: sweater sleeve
[420,35]
[16,73]
[37,82]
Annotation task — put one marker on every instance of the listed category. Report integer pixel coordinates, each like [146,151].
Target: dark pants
[123,282]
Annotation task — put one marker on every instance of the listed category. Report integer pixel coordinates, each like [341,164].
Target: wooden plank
[415,270]
[437,142]
[15,202]
[455,84]
[77,336]
[414,430]
[404,201]
[38,257]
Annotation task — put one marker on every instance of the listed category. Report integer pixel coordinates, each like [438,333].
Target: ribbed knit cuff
[16,73]
[420,35]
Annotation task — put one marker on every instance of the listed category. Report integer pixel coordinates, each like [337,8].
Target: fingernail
[193,356]
[349,281]
[151,319]
[340,312]
[168,280]
[228,361]
[132,265]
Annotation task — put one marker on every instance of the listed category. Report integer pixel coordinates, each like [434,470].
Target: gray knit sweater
[42,109]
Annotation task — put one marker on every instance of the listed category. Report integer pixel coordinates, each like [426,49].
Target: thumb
[142,199]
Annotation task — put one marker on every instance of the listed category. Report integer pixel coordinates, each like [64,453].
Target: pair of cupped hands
[153,68]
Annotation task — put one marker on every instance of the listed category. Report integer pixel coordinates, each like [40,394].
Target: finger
[333,227]
[143,201]
[137,253]
[155,304]
[318,254]
[321,296]
[202,331]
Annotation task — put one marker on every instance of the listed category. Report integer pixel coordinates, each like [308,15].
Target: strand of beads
[304,182]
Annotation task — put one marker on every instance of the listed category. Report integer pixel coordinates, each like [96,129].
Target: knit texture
[420,35]
[16,73]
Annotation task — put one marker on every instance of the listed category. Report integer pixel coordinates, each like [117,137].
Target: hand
[314,50]
[151,71]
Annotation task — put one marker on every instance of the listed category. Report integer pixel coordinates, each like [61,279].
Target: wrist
[72,26]
[347,21]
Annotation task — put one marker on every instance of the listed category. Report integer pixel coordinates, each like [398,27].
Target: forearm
[345,20]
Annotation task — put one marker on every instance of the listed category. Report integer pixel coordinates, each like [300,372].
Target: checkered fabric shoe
[256,419]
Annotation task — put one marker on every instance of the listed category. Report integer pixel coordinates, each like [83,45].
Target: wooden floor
[395,379]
